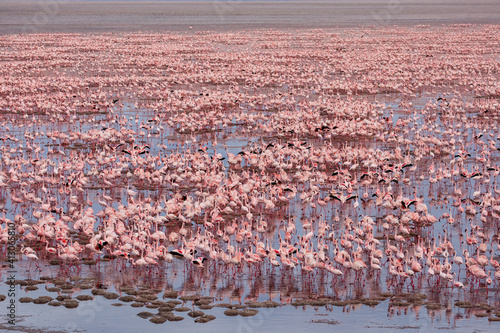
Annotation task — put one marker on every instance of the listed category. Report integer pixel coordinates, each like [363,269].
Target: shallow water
[146,89]
[233,15]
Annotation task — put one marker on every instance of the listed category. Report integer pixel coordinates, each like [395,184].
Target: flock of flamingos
[353,156]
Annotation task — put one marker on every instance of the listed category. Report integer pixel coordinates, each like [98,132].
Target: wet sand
[224,15]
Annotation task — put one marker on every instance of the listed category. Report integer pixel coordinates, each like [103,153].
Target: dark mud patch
[195,314]
[158,320]
[204,319]
[84,297]
[145,314]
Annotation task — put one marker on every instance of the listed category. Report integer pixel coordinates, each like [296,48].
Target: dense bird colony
[340,164]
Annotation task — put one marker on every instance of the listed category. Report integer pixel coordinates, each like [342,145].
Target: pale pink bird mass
[353,162]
